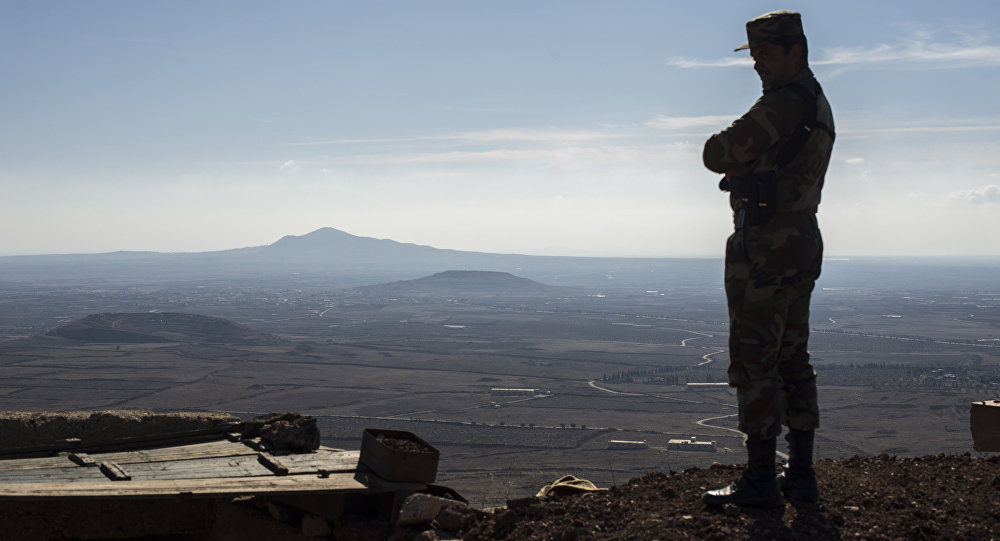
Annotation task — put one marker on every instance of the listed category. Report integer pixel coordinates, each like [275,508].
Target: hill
[455,283]
[138,328]
[331,258]
[880,497]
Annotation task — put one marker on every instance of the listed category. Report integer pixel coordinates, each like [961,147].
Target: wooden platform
[212,469]
[183,481]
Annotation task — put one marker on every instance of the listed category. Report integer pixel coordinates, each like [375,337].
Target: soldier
[774,159]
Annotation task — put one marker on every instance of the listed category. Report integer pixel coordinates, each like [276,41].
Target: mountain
[330,243]
[150,327]
[456,283]
[330,258]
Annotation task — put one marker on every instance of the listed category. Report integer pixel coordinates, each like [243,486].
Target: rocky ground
[882,497]
[20,430]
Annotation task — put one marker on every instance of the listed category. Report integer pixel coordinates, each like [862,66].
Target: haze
[556,128]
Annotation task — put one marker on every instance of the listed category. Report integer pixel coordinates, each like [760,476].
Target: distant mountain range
[330,258]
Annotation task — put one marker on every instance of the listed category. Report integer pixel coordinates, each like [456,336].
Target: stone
[427,535]
[315,526]
[423,508]
[285,432]
[454,518]
[279,512]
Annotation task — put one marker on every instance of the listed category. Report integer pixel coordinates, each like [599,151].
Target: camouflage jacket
[757,138]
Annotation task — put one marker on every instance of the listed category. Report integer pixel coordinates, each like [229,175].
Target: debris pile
[284,431]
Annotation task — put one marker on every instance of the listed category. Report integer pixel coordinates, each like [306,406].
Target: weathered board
[212,488]
[181,452]
[33,463]
[201,468]
[328,460]
[211,469]
[66,474]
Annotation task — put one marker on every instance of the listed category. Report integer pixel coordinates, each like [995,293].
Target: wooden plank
[33,463]
[238,465]
[183,452]
[272,463]
[82,459]
[322,460]
[65,474]
[154,454]
[202,468]
[257,444]
[114,472]
[214,488]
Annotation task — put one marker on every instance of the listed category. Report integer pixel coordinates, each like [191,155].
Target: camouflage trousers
[770,274]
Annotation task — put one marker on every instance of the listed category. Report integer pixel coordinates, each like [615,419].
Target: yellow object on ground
[568,484]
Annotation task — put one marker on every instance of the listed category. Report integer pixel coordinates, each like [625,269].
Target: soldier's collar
[805,74]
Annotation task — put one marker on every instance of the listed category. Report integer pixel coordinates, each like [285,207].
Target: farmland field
[896,373]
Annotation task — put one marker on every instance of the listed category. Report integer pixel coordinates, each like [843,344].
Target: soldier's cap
[770,27]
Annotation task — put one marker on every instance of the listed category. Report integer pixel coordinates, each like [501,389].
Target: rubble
[285,431]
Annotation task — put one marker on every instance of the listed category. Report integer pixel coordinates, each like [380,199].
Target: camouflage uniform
[771,268]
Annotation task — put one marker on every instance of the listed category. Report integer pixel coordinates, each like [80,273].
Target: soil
[401,444]
[881,497]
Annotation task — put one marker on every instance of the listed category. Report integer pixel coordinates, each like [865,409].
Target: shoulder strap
[810,121]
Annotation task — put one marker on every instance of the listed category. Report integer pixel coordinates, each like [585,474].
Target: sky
[534,127]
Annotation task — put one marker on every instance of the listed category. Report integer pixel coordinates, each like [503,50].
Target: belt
[740,217]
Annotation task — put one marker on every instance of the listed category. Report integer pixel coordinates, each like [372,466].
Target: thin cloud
[988,195]
[487,136]
[534,136]
[674,123]
[935,55]
[648,155]
[954,127]
[689,63]
[571,156]
[922,51]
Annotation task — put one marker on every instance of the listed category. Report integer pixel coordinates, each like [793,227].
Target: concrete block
[420,509]
[985,423]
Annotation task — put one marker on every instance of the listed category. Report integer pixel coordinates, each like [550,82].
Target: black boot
[798,480]
[758,486]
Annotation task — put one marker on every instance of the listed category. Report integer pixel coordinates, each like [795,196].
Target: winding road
[706,359]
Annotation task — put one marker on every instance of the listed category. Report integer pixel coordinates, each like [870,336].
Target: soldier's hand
[740,171]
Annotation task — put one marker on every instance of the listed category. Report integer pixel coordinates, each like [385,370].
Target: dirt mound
[882,497]
[26,429]
[144,327]
[465,284]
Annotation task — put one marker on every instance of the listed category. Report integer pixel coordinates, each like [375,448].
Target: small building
[517,392]
[692,444]
[627,445]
